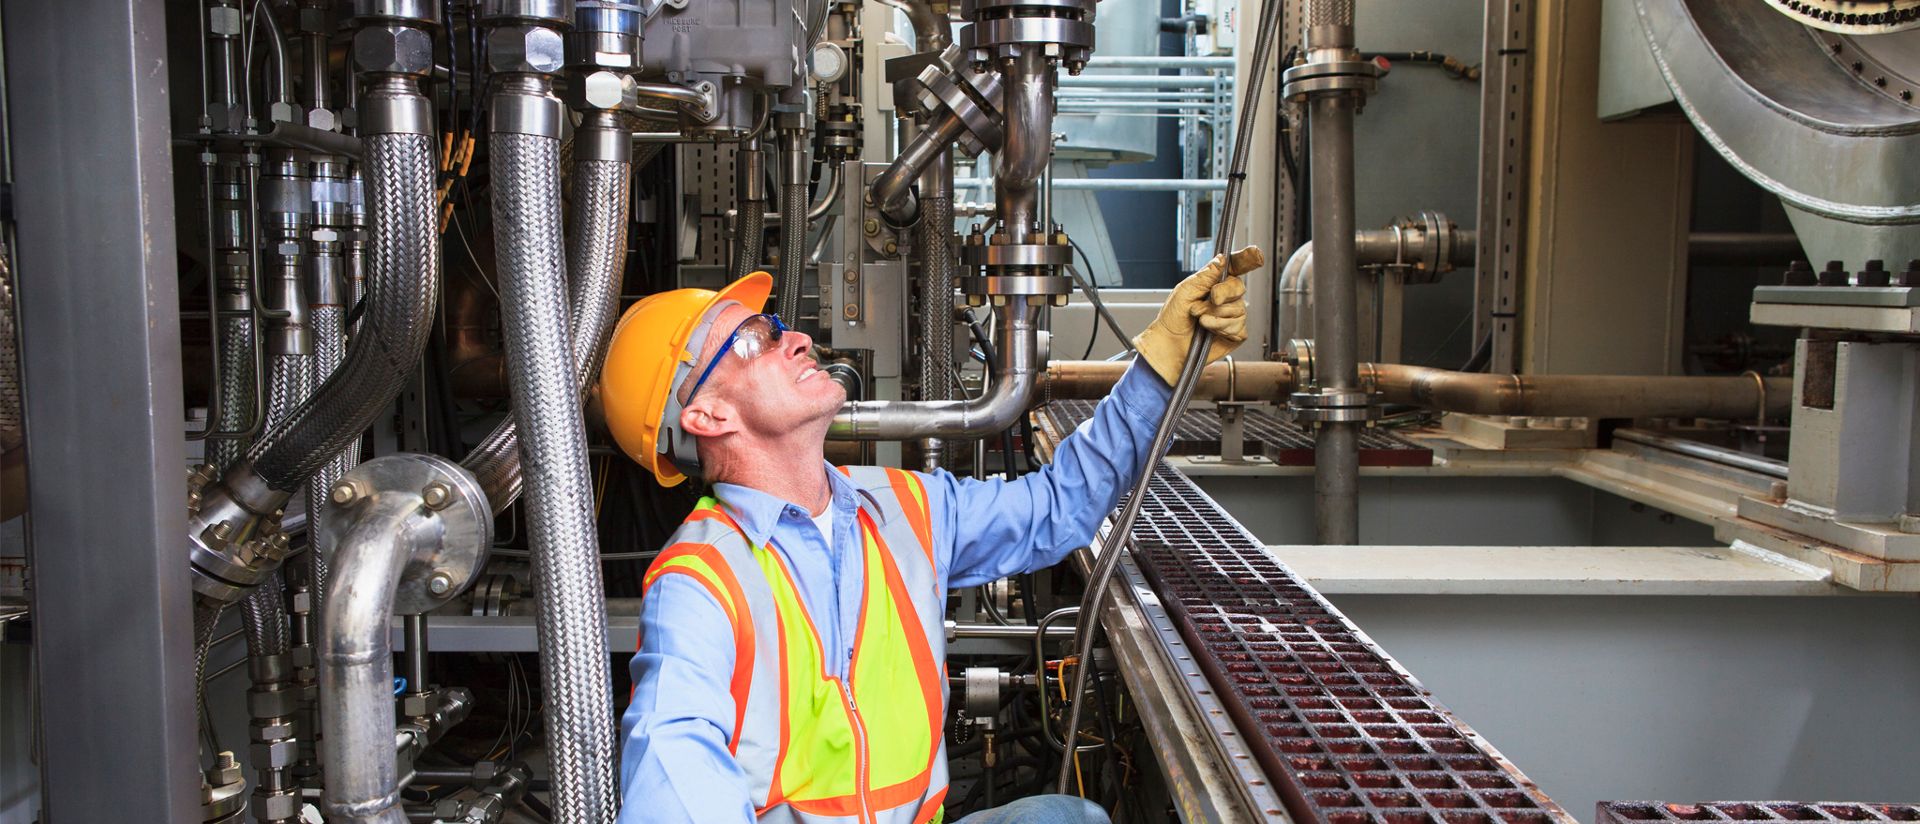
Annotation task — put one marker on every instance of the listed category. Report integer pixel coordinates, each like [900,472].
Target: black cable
[1286,128]
[1100,312]
[537,807]
[1482,355]
[1459,69]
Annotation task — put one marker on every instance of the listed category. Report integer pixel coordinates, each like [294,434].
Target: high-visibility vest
[815,749]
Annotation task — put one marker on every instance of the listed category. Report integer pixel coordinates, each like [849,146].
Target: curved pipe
[1473,393]
[1015,371]
[829,192]
[892,191]
[932,31]
[356,666]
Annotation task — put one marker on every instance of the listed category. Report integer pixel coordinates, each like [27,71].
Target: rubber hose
[596,252]
[794,204]
[570,617]
[403,267]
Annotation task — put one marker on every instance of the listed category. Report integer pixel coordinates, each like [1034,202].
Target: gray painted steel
[86,83]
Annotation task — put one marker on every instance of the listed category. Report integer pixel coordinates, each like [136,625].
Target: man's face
[771,395]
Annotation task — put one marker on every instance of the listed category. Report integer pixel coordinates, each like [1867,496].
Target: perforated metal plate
[1348,735]
[1629,812]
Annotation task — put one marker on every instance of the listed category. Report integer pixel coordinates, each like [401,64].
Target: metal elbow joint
[1010,392]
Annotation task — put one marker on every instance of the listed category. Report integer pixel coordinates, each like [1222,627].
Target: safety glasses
[754,337]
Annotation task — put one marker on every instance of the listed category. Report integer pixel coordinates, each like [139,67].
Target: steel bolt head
[891,248]
[436,496]
[521,48]
[851,311]
[440,584]
[871,226]
[393,50]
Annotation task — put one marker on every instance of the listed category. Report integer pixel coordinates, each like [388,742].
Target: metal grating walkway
[1630,812]
[1347,735]
[1265,433]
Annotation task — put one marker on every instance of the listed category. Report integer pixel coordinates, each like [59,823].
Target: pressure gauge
[829,62]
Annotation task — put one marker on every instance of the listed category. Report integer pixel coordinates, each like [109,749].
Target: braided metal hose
[596,253]
[329,350]
[746,249]
[793,248]
[10,431]
[570,614]
[289,381]
[403,263]
[935,238]
[235,390]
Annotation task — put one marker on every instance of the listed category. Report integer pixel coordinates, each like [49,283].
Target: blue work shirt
[674,761]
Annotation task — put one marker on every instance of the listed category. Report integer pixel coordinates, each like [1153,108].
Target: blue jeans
[1041,809]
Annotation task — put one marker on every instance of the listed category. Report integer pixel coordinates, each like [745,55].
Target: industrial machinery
[1586,381]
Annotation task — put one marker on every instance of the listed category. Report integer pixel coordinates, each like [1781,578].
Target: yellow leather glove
[1215,296]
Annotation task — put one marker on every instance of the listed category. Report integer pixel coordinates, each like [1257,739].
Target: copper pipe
[1593,396]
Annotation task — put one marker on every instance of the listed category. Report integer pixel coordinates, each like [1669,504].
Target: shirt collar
[758,513]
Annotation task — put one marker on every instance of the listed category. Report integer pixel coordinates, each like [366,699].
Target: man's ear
[709,417]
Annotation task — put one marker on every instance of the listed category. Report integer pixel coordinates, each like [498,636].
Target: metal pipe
[750,196]
[1016,367]
[1372,247]
[1472,393]
[1336,477]
[1706,452]
[1089,184]
[1130,61]
[829,192]
[1743,249]
[571,621]
[932,31]
[415,629]
[1146,81]
[356,672]
[1029,144]
[892,191]
[938,270]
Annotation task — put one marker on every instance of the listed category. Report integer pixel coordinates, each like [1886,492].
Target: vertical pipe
[415,627]
[571,616]
[750,199]
[1029,140]
[1336,476]
[794,204]
[934,239]
[356,672]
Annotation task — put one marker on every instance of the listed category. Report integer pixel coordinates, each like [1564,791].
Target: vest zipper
[859,753]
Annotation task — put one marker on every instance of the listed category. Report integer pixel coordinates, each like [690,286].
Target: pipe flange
[1062,29]
[999,289]
[975,100]
[1017,254]
[1336,76]
[447,540]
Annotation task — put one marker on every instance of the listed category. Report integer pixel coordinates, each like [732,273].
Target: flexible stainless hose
[596,252]
[329,350]
[934,237]
[10,419]
[403,263]
[793,248]
[1120,534]
[236,387]
[571,619]
[750,170]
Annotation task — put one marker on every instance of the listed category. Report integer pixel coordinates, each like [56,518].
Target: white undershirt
[824,521]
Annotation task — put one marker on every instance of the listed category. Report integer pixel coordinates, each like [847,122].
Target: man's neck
[793,472]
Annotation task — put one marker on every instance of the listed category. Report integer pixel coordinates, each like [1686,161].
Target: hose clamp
[1330,406]
[1331,77]
[539,115]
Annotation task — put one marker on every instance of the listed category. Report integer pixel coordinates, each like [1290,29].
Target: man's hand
[1216,297]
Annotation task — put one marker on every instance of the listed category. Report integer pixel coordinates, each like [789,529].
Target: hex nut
[270,731]
[416,705]
[597,90]
[393,50]
[436,496]
[522,49]
[281,111]
[323,119]
[274,754]
[271,806]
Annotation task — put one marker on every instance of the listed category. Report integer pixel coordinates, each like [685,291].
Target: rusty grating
[1198,433]
[1630,812]
[1346,734]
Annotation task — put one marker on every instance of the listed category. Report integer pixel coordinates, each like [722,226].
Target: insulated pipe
[356,672]
[1015,369]
[1336,478]
[1472,393]
[750,197]
[596,252]
[1028,149]
[541,374]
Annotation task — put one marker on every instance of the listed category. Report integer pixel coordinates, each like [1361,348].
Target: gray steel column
[99,312]
[1336,449]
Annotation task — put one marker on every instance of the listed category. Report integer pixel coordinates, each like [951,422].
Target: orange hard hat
[654,348]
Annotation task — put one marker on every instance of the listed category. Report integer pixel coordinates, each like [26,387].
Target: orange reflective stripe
[702,562]
[913,498]
[932,810]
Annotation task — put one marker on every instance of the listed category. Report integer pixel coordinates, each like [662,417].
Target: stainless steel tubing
[403,264]
[1015,370]
[892,191]
[1706,452]
[1088,184]
[1040,633]
[1127,61]
[794,161]
[749,181]
[1029,145]
[938,268]
[932,31]
[1336,475]
[596,251]
[356,666]
[829,192]
[1120,532]
[571,620]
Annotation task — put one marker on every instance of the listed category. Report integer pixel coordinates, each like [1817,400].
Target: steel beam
[1505,95]
[99,306]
